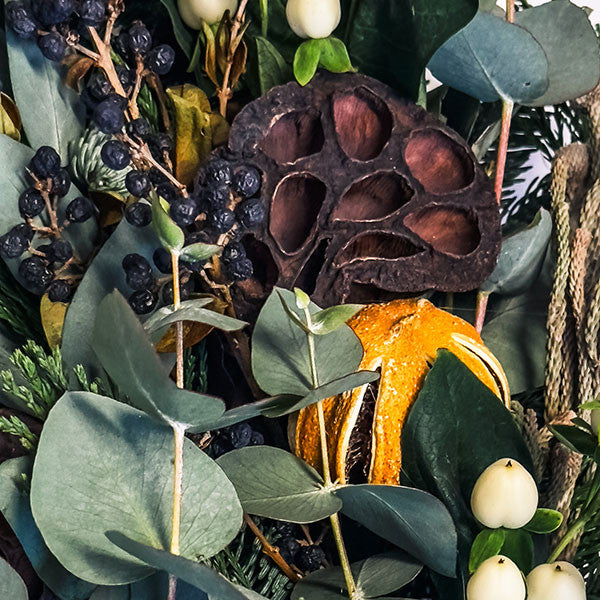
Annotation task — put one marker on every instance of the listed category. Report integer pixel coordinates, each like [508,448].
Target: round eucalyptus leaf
[11,584]
[102,465]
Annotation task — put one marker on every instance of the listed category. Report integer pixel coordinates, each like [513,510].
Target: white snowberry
[497,578]
[193,12]
[505,495]
[313,18]
[555,581]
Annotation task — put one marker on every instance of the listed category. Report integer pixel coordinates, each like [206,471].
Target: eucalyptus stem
[178,432]
[335,520]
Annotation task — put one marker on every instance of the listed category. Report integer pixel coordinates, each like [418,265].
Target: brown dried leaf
[77,71]
[210,60]
[239,64]
[53,317]
[223,41]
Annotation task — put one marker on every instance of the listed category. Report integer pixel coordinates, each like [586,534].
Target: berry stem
[573,531]
[336,527]
[139,74]
[179,324]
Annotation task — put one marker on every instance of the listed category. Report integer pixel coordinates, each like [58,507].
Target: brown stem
[156,86]
[271,551]
[105,61]
[139,73]
[507,110]
[480,310]
[224,91]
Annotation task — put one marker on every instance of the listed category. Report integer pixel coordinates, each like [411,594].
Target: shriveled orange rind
[401,340]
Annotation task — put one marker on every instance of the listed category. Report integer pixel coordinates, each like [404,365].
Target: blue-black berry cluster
[49,182]
[235,437]
[229,196]
[307,557]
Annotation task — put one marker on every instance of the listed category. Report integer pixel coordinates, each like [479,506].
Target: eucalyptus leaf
[170,235]
[194,573]
[273,483]
[393,41]
[518,546]
[374,576]
[491,59]
[330,319]
[413,520]
[15,478]
[103,275]
[11,584]
[306,61]
[488,543]
[192,310]
[128,356]
[280,360]
[52,113]
[104,465]
[199,252]
[571,46]
[457,428]
[545,520]
[521,257]
[272,68]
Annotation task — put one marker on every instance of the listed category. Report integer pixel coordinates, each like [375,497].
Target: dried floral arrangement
[279,319]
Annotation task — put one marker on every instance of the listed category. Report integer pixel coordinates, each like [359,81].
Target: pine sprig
[14,426]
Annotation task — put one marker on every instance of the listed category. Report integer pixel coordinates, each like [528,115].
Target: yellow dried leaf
[10,119]
[53,317]
[198,129]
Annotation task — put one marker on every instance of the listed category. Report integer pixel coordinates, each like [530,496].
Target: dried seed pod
[366,194]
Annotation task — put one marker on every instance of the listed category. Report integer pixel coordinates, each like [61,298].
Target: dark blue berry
[125,76]
[121,45]
[160,59]
[139,128]
[143,302]
[45,162]
[216,196]
[61,183]
[59,290]
[167,192]
[139,279]
[98,86]
[139,214]
[160,143]
[59,251]
[240,270]
[25,230]
[31,203]
[13,243]
[135,261]
[109,116]
[257,439]
[115,155]
[20,20]
[140,40]
[138,184]
[183,211]
[221,220]
[246,181]
[218,172]
[250,213]
[92,12]
[233,252]
[53,12]
[53,46]
[35,271]
[239,435]
[185,290]
[162,260]
[79,210]
[310,558]
[288,548]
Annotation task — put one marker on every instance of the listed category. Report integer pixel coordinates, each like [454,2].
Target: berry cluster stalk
[507,111]
[335,520]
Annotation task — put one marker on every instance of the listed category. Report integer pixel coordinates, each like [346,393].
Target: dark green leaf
[545,520]
[182,34]
[194,573]
[104,274]
[280,33]
[192,310]
[575,439]
[171,236]
[274,483]
[307,60]
[52,113]
[199,252]
[411,519]
[15,478]
[101,464]
[377,575]
[521,258]
[487,544]
[583,425]
[571,46]
[518,546]
[280,350]
[11,584]
[334,56]
[330,319]
[272,68]
[455,430]
[492,59]
[128,356]
[393,41]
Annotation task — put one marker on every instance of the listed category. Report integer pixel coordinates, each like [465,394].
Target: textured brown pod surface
[366,194]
